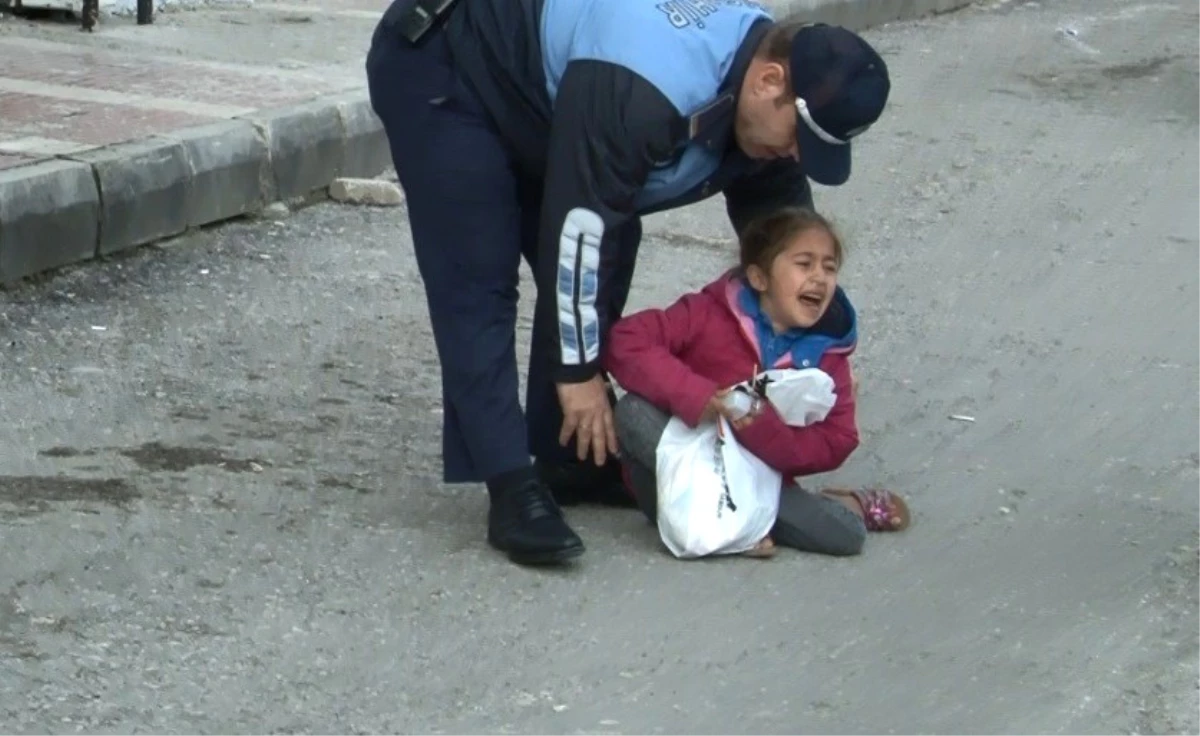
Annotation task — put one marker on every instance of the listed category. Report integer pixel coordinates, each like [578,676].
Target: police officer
[544,130]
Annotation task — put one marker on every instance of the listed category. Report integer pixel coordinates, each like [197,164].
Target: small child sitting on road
[782,308]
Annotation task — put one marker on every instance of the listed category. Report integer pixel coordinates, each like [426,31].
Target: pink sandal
[883,511]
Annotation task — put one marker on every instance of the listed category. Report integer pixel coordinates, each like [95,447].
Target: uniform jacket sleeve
[817,448]
[780,183]
[609,128]
[642,355]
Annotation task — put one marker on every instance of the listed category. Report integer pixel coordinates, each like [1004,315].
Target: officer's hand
[588,416]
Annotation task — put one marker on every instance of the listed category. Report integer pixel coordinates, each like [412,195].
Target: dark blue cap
[841,87]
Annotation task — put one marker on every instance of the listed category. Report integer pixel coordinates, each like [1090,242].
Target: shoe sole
[545,559]
[540,559]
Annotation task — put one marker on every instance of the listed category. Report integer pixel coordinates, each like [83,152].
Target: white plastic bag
[716,497]
[801,396]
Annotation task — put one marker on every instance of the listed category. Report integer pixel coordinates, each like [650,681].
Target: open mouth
[812,300]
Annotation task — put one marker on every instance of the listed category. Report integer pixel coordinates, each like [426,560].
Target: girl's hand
[715,407]
[756,408]
[720,405]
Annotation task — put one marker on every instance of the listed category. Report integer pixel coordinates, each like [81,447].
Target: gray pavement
[219,497]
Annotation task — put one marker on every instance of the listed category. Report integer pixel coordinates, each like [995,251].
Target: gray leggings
[810,522]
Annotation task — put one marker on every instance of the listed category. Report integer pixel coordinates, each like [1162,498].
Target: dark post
[145,12]
[91,13]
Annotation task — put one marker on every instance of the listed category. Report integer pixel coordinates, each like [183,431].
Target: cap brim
[824,163]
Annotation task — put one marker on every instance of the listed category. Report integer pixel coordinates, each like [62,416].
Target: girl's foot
[764,549]
[881,510]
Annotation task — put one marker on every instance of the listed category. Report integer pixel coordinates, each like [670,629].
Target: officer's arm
[610,126]
[780,183]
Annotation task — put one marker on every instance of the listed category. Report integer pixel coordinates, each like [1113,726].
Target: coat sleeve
[609,128]
[642,354]
[817,448]
[780,183]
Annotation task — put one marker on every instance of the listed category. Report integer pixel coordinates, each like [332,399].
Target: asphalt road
[219,504]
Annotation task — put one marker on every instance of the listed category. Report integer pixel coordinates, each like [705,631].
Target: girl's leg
[643,484]
[813,522]
[639,427]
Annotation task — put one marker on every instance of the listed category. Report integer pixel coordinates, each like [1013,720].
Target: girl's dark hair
[767,236]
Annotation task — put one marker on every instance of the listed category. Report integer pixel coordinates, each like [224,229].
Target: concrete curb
[79,207]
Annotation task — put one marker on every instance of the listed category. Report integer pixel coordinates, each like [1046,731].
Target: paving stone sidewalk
[132,134]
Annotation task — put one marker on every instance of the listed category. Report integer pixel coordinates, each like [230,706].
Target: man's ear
[768,79]
[774,79]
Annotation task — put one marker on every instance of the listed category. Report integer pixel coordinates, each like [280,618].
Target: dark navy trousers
[473,216]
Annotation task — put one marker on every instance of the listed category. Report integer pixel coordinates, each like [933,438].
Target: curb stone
[49,217]
[229,164]
[144,188]
[63,211]
[365,149]
[305,143]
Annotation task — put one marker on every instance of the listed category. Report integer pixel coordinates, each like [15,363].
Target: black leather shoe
[527,524]
[574,483]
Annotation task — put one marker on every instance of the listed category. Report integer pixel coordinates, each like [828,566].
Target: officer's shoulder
[682,47]
[673,27]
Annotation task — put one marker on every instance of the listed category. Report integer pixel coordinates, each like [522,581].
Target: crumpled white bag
[801,396]
[714,496]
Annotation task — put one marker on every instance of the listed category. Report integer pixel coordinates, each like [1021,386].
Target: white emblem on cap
[802,108]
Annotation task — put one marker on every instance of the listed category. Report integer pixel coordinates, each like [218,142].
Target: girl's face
[800,285]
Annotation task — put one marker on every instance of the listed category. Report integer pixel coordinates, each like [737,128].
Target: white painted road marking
[43,146]
[88,94]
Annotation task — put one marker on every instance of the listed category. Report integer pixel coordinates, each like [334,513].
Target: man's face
[765,126]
